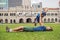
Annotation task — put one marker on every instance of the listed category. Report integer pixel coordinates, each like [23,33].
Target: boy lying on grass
[30,29]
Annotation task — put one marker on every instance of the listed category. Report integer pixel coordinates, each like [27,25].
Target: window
[11,21]
[1,20]
[52,20]
[55,14]
[55,19]
[6,20]
[1,14]
[45,20]
[14,21]
[28,20]
[48,19]
[12,14]
[20,13]
[6,14]
[26,7]
[52,14]
[48,14]
[21,20]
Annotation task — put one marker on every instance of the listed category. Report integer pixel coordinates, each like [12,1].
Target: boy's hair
[49,29]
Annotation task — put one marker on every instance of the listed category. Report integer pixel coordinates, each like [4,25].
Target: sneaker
[7,29]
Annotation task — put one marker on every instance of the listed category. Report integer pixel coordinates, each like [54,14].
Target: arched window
[1,20]
[11,21]
[55,19]
[52,14]
[48,14]
[52,20]
[6,20]
[28,20]
[14,21]
[48,19]
[44,19]
[6,14]
[21,20]
[55,14]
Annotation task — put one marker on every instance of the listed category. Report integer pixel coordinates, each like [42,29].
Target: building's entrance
[28,20]
[14,21]
[6,20]
[21,20]
[52,20]
[1,20]
[45,20]
[48,19]
[11,21]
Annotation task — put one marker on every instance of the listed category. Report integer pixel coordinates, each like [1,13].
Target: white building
[20,11]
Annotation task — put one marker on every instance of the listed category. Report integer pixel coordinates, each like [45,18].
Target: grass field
[47,35]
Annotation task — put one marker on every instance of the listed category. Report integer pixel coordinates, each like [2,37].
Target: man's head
[45,9]
[49,28]
[44,12]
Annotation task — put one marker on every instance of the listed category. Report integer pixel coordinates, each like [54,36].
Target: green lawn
[48,35]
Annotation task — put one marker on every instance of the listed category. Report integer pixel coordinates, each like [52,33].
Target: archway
[44,19]
[55,19]
[6,20]
[28,20]
[52,20]
[14,21]
[1,20]
[48,19]
[21,20]
[11,21]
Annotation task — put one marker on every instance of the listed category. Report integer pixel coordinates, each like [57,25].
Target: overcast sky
[47,3]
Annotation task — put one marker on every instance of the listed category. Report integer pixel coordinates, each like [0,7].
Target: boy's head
[49,28]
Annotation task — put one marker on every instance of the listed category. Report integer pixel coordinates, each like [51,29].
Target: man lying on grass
[30,29]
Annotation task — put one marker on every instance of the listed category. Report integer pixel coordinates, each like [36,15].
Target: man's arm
[40,18]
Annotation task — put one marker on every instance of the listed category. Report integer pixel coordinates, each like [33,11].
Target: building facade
[21,11]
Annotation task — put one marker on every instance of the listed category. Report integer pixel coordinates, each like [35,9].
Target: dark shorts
[28,29]
[38,16]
